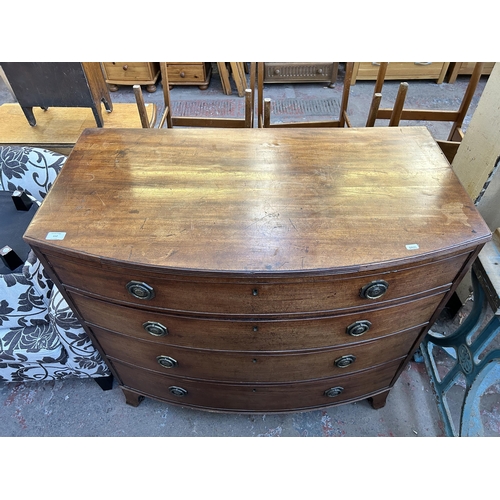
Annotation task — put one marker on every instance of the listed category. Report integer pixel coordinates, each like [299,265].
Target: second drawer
[237,335]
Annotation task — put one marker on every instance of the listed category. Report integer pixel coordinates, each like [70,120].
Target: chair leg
[398,105]
[345,93]
[139,99]
[382,70]
[248,108]
[469,94]
[166,94]
[260,94]
[105,383]
[372,116]
[267,113]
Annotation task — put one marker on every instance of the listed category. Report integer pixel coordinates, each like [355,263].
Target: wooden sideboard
[401,71]
[295,72]
[233,270]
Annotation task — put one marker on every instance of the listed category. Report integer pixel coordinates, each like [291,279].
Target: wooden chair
[238,70]
[192,121]
[398,113]
[264,104]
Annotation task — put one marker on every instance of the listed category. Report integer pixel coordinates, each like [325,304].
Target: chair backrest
[195,121]
[264,105]
[29,169]
[457,117]
[397,112]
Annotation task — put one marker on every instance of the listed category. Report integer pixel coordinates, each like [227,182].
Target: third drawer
[236,366]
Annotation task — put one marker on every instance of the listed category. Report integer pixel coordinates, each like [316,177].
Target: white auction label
[413,246]
[55,236]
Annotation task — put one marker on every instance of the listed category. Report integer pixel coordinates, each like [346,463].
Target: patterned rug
[234,108]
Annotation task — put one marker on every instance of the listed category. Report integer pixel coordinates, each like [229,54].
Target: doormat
[301,107]
[226,108]
[235,108]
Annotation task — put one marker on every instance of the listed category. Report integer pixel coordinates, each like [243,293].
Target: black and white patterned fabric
[30,169]
[40,337]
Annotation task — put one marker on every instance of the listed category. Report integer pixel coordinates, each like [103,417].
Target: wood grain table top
[258,201]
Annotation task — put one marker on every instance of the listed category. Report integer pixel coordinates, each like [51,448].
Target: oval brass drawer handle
[374,289]
[156,329]
[334,392]
[167,361]
[178,391]
[358,328]
[345,361]
[140,290]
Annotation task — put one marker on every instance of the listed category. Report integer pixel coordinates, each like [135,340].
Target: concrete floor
[80,408]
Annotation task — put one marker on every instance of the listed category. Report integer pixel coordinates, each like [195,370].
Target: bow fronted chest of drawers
[257,270]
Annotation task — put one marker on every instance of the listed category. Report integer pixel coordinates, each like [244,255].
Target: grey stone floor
[75,408]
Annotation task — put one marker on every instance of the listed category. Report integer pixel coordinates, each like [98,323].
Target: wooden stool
[59,128]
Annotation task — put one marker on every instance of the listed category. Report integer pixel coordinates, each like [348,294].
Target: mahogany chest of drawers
[257,270]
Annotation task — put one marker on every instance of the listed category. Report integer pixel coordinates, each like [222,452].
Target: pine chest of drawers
[131,73]
[257,270]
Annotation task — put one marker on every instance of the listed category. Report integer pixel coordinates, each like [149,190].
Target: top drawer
[253,296]
[187,72]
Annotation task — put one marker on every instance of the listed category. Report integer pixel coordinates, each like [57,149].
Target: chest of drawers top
[257,201]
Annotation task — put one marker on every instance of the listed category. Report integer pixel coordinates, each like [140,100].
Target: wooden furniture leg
[167,114]
[398,105]
[224,78]
[372,115]
[260,94]
[379,400]
[141,107]
[469,94]
[343,118]
[132,398]
[239,77]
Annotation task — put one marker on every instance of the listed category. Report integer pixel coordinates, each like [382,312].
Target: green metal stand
[466,345]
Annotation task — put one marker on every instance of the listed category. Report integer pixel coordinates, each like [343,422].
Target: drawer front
[298,72]
[133,72]
[254,367]
[401,70]
[190,73]
[261,335]
[257,398]
[243,298]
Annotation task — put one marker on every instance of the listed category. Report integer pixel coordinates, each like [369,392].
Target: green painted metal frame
[478,374]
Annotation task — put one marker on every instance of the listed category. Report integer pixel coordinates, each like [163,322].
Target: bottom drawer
[260,398]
